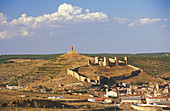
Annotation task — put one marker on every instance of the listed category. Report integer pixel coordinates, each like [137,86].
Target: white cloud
[26,26]
[68,10]
[3,34]
[145,21]
[3,18]
[66,14]
[121,20]
[24,32]
[87,10]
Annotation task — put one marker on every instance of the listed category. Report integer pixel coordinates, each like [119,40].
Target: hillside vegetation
[155,66]
[3,58]
[38,70]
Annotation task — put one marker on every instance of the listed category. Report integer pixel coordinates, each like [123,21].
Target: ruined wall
[96,60]
[102,79]
[126,60]
[133,67]
[80,77]
[76,75]
[111,60]
[106,61]
[117,61]
[112,79]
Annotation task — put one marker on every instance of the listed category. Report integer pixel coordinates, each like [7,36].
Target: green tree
[40,87]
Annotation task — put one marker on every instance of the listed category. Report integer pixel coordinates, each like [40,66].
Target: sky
[92,26]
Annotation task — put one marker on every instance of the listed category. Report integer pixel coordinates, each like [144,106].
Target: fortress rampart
[81,77]
[107,62]
[102,79]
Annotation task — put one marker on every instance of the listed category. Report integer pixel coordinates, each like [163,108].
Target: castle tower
[72,48]
[106,61]
[126,60]
[96,60]
[89,62]
[117,61]
[72,51]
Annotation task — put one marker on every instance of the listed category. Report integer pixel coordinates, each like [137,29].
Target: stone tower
[117,61]
[72,48]
[106,61]
[89,62]
[96,60]
[72,51]
[126,60]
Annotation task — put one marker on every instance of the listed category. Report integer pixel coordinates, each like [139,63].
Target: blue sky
[92,26]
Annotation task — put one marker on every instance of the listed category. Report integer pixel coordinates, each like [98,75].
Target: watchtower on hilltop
[72,51]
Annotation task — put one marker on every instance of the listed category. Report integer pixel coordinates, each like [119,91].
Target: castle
[105,62]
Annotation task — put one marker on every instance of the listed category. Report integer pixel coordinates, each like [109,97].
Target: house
[131,99]
[91,99]
[96,99]
[99,99]
[151,100]
[108,100]
[111,93]
[130,90]
[13,87]
[3,87]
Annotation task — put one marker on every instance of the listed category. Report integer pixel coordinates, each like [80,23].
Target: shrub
[40,87]
[88,106]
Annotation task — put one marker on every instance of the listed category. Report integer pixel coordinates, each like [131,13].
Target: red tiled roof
[100,92]
[161,84]
[100,99]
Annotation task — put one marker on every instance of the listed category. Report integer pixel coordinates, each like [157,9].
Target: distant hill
[3,58]
[165,54]
[52,56]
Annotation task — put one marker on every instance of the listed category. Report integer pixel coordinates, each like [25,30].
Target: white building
[131,99]
[111,93]
[13,87]
[91,99]
[151,100]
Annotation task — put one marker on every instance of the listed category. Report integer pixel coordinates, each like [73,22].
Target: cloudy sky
[92,26]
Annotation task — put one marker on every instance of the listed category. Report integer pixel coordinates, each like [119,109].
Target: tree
[40,87]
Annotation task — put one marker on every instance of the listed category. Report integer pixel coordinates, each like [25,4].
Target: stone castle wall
[81,77]
[101,79]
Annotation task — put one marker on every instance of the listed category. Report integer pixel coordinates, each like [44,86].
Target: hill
[38,73]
